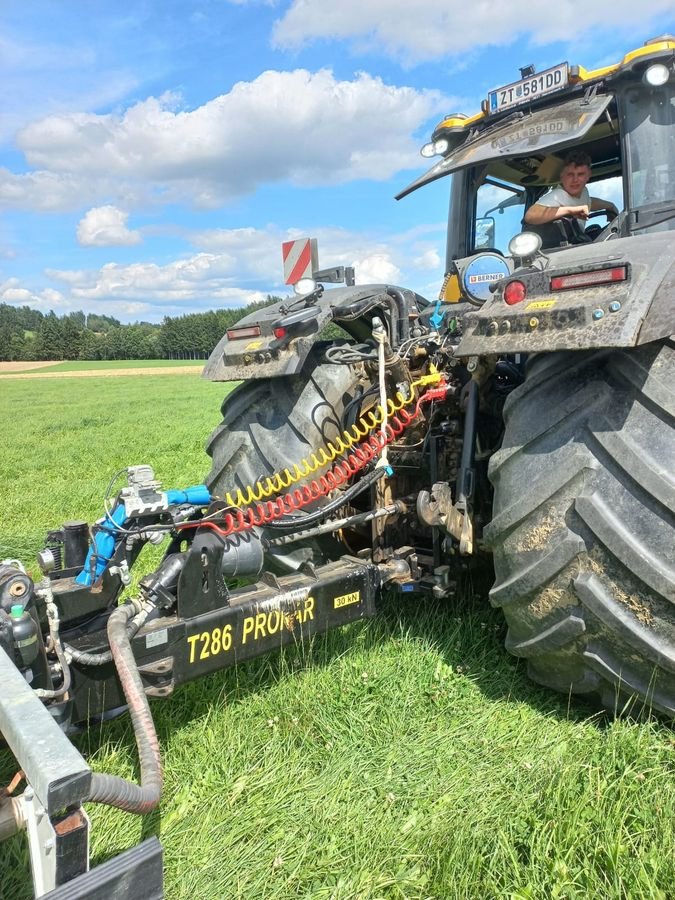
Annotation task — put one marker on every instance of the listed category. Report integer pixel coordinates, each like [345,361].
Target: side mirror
[485,233]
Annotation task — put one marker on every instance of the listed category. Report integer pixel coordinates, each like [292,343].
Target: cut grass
[102,365]
[406,757]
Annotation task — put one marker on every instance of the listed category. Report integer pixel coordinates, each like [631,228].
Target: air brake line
[324,456]
[262,514]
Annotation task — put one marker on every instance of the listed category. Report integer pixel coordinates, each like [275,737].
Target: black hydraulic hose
[349,494]
[402,310]
[110,789]
[100,659]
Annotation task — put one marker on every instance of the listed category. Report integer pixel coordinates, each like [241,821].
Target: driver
[570,197]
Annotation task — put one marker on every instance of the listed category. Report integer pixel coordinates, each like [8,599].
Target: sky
[154,155]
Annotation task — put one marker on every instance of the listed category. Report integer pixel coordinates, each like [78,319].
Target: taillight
[514,292]
[588,279]
[248,331]
[280,332]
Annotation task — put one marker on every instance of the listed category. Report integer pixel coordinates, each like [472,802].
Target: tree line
[27,334]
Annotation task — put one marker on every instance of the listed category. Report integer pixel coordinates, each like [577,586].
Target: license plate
[529,88]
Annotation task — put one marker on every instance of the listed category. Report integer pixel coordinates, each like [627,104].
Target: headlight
[525,246]
[435,148]
[656,75]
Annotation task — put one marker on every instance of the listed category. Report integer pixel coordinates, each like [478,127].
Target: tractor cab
[506,158]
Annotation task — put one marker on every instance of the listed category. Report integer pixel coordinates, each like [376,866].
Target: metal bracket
[59,848]
[436,509]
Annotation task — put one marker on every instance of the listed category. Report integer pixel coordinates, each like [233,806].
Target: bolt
[49,845]
[534,322]
[493,327]
[598,314]
[505,327]
[614,306]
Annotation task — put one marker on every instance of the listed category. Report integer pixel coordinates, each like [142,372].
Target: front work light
[435,148]
[525,246]
[656,75]
[304,286]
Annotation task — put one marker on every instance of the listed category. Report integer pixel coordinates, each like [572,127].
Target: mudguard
[624,313]
[275,340]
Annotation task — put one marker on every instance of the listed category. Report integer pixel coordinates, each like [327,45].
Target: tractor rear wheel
[583,531]
[271,423]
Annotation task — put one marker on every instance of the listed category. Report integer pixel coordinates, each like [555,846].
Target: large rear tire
[583,531]
[270,423]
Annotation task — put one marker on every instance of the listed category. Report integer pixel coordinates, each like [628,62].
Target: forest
[27,334]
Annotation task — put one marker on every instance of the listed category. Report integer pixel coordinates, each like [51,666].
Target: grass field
[406,757]
[103,365]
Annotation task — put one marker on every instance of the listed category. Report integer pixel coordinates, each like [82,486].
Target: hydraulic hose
[109,789]
[101,659]
[45,591]
[328,508]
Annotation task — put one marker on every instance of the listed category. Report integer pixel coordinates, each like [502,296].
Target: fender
[635,310]
[276,340]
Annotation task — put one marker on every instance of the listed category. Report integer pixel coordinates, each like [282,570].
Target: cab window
[499,210]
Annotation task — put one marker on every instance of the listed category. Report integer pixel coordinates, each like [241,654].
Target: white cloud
[428,29]
[106,226]
[256,253]
[430,259]
[12,293]
[231,268]
[301,127]
[376,268]
[204,278]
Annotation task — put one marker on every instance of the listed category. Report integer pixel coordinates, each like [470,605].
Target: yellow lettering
[205,637]
[227,637]
[215,642]
[259,626]
[273,621]
[192,640]
[309,608]
[247,629]
[346,600]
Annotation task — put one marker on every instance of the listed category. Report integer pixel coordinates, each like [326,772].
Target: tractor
[525,415]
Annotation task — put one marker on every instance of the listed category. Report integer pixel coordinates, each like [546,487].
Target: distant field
[98,365]
[406,758]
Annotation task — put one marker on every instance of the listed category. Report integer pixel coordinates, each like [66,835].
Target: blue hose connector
[198,495]
[103,547]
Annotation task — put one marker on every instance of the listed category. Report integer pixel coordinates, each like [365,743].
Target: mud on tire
[583,531]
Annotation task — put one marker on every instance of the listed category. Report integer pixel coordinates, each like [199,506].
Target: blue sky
[154,155]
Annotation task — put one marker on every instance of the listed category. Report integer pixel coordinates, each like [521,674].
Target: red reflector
[280,332]
[514,292]
[587,279]
[235,334]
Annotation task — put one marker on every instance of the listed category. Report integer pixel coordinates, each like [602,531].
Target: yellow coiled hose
[324,456]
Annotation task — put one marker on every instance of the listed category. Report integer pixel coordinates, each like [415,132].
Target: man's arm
[598,205]
[540,215]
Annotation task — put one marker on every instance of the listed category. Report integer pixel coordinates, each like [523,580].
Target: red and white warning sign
[301,258]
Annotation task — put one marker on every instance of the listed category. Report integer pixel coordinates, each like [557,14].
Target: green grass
[406,757]
[95,365]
